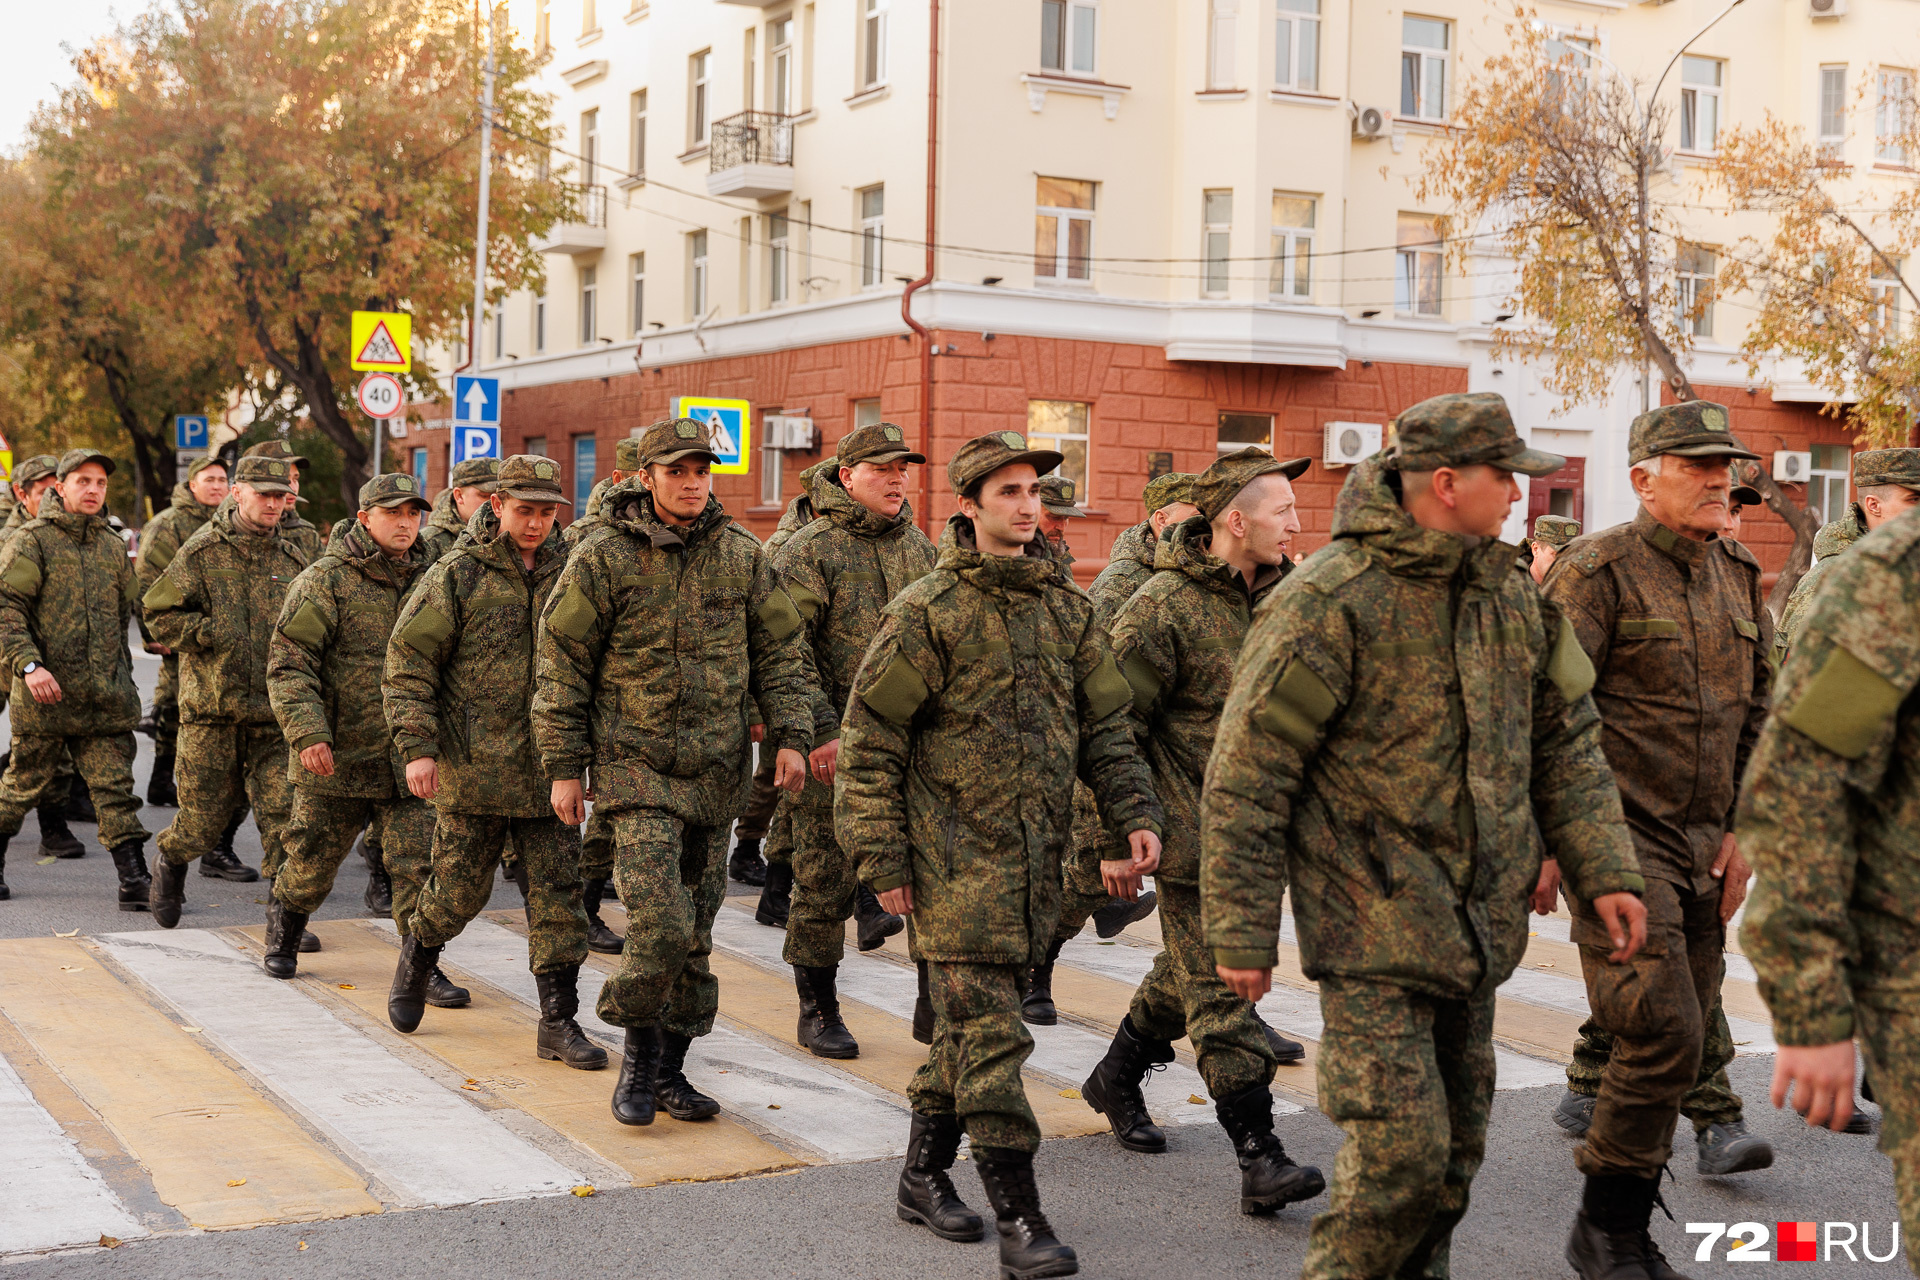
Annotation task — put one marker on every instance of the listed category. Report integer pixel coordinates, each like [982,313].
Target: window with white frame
[585,462]
[420,469]
[1694,271]
[540,322]
[542,27]
[637,141]
[589,147]
[866,413]
[1700,83]
[1425,45]
[499,336]
[873,210]
[779,259]
[1216,241]
[697,69]
[873,42]
[1223,19]
[1827,496]
[1061,425]
[636,293]
[1418,262]
[1570,57]
[1296,45]
[1892,114]
[589,304]
[772,462]
[1063,230]
[697,275]
[1887,289]
[1068,30]
[589,17]
[1292,278]
[780,76]
[1239,430]
[535,445]
[1833,112]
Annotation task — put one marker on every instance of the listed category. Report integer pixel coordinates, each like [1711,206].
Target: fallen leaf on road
[303,1246]
[1546,964]
[773,1106]
[471,1088]
[71,933]
[347,986]
[69,968]
[1196,1100]
[236,1182]
[43,862]
[109,1242]
[1070,1093]
[583,1191]
[189,1028]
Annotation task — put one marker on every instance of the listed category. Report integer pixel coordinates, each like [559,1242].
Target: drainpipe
[921,331]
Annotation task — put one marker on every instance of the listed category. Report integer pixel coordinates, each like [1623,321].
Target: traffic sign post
[379,395]
[381,342]
[471,441]
[729,425]
[476,399]
[190,431]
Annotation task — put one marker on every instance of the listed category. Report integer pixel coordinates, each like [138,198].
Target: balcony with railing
[583,228]
[751,155]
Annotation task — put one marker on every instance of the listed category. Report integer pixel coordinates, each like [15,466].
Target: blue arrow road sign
[475,442]
[189,430]
[476,400]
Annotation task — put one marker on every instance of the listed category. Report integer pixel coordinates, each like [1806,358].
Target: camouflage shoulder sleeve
[781,677]
[898,679]
[308,620]
[573,633]
[1145,645]
[798,568]
[1584,592]
[1110,761]
[158,543]
[174,606]
[20,579]
[424,635]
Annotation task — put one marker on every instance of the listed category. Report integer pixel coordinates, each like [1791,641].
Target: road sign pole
[486,178]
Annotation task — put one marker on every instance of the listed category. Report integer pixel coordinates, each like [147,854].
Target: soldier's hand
[1626,919]
[423,777]
[1820,1078]
[1121,879]
[1248,984]
[899,901]
[1145,847]
[1733,873]
[1546,893]
[569,803]
[823,759]
[756,733]
[790,771]
[318,758]
[43,686]
[160,649]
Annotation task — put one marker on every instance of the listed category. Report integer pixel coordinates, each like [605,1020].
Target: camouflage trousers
[1082,892]
[1710,1101]
[979,1045]
[672,876]
[1888,1027]
[596,846]
[777,848]
[1409,1077]
[166,706]
[1183,996]
[221,768]
[39,765]
[322,831]
[753,824]
[824,880]
[467,847]
[1655,1007]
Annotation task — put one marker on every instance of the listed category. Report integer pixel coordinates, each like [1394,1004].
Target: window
[499,336]
[780,66]
[420,469]
[1886,297]
[589,17]
[1216,238]
[637,146]
[1833,112]
[637,292]
[1292,246]
[873,42]
[1700,103]
[589,304]
[1296,45]
[1062,425]
[1892,115]
[873,208]
[535,445]
[1063,229]
[1238,430]
[583,465]
[770,467]
[1423,68]
[542,28]
[748,68]
[866,413]
[1827,481]
[1417,266]
[1570,57]
[540,322]
[697,252]
[697,98]
[778,258]
[1067,29]
[1222,17]
[1693,290]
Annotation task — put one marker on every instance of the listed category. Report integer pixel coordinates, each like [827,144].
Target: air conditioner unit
[1792,466]
[1369,123]
[788,431]
[1826,8]
[1351,442]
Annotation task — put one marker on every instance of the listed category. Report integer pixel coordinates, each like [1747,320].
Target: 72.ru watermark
[1792,1241]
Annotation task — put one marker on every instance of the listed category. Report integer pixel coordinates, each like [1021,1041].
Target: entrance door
[1564,493]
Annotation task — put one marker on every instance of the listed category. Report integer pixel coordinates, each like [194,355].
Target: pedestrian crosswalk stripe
[49,1194]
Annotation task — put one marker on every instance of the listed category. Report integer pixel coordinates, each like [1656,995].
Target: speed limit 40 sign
[379,395]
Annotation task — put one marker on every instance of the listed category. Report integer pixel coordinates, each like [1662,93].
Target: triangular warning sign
[380,348]
[721,438]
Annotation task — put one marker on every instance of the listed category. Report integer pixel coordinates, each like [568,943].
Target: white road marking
[49,1195]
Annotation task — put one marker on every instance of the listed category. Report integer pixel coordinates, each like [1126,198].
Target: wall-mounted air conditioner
[1351,442]
[1792,466]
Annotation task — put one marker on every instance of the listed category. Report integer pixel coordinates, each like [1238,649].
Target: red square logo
[1798,1241]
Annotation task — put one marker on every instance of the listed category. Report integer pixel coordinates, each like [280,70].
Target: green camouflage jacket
[988,689]
[590,518]
[1831,811]
[163,535]
[654,650]
[460,671]
[215,606]
[295,528]
[1129,565]
[1176,640]
[1404,711]
[1833,539]
[443,527]
[66,594]
[327,658]
[841,569]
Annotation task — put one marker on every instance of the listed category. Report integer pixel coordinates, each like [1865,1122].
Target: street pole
[486,177]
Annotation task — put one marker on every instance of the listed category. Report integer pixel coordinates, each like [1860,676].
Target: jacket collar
[839,506]
[960,554]
[1685,551]
[1188,549]
[482,540]
[1368,512]
[630,506]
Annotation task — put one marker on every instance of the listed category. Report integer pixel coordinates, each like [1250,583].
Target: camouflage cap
[1164,491]
[983,455]
[41,466]
[1691,429]
[876,442]
[73,459]
[1555,531]
[263,474]
[1744,495]
[394,489]
[1465,431]
[1056,498]
[275,449]
[531,478]
[626,454]
[198,465]
[673,439]
[1217,486]
[476,473]
[1887,466]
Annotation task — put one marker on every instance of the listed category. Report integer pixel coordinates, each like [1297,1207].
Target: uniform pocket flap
[1215,642]
[1646,628]
[964,652]
[1390,649]
[574,616]
[1297,705]
[426,631]
[24,576]
[1751,630]
[307,628]
[1053,650]
[1846,705]
[223,573]
[160,596]
[858,575]
[1106,689]
[734,583]
[898,693]
[481,604]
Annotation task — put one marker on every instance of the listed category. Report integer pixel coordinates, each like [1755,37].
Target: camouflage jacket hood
[1833,540]
[66,595]
[1405,709]
[162,536]
[655,648]
[325,662]
[1130,563]
[443,527]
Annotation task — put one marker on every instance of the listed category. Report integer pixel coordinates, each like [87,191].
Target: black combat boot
[1114,1087]
[161,789]
[821,1031]
[378,899]
[560,1038]
[927,1195]
[923,1015]
[56,840]
[633,1089]
[1269,1179]
[1284,1050]
[168,892]
[222,863]
[1028,1247]
[284,928]
[776,897]
[130,864]
[1109,920]
[79,806]
[1610,1240]
[746,865]
[874,923]
[443,994]
[599,937]
[149,722]
[5,892]
[674,1092]
[407,1001]
[1037,1005]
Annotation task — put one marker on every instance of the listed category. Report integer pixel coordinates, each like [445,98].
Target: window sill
[1040,84]
[1221,95]
[873,93]
[692,153]
[1300,97]
[1419,124]
[589,37]
[636,13]
[805,117]
[632,182]
[1891,166]
[764,510]
[586,73]
[1064,286]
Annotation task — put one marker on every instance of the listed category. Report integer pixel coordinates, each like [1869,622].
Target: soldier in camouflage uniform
[1830,815]
[1176,642]
[66,595]
[215,606]
[989,686]
[1551,534]
[666,627]
[1405,712]
[293,527]
[195,499]
[1057,506]
[841,571]
[1886,485]
[469,487]
[459,684]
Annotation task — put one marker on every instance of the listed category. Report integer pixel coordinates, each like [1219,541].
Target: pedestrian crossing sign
[729,425]
[381,341]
